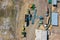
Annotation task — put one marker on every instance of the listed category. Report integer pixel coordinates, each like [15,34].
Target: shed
[54,18]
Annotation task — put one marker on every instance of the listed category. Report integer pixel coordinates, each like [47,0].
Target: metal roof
[55,18]
[41,35]
[54,2]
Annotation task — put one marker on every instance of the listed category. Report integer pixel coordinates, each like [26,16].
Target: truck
[27,20]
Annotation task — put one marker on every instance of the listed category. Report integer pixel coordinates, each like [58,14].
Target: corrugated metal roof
[41,35]
[55,18]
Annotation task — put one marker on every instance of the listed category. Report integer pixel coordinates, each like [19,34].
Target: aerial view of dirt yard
[29,19]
